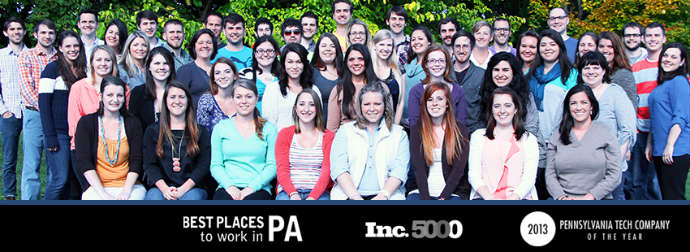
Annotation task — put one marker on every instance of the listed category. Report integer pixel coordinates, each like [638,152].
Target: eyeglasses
[632,35]
[267,51]
[292,32]
[557,17]
[358,34]
[501,29]
[436,61]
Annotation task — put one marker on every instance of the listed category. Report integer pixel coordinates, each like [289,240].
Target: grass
[20,157]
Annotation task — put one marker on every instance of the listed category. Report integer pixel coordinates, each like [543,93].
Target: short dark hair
[213,13]
[263,20]
[654,25]
[633,25]
[13,20]
[46,22]
[173,22]
[449,20]
[233,18]
[310,14]
[493,25]
[341,1]
[398,10]
[87,11]
[195,37]
[289,22]
[147,14]
[593,58]
[463,33]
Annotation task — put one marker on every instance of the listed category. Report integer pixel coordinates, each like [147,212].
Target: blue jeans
[33,149]
[10,128]
[193,194]
[303,194]
[641,181]
[59,166]
[415,196]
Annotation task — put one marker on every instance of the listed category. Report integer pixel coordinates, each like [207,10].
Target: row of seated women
[366,159]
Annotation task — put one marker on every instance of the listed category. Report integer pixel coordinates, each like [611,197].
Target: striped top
[305,165]
[645,73]
[53,95]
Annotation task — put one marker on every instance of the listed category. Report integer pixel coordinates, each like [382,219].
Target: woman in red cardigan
[303,152]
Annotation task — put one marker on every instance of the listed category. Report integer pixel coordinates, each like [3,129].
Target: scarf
[539,81]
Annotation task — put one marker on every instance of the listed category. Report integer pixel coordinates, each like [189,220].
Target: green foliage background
[586,15]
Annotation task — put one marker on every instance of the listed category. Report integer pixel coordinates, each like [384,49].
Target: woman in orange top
[109,148]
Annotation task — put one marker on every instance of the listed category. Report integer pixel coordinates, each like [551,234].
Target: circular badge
[537,229]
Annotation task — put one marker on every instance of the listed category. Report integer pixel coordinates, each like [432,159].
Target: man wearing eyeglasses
[502,35]
[632,38]
[558,21]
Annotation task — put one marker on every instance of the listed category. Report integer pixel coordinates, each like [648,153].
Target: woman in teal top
[420,40]
[550,78]
[242,150]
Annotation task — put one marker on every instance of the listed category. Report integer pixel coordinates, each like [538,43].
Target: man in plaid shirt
[31,64]
[11,103]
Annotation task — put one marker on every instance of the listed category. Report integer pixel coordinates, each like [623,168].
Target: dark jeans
[10,128]
[672,177]
[57,186]
[222,194]
[540,185]
[641,182]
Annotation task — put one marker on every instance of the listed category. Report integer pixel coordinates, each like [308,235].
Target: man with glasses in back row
[632,39]
[501,28]
[558,21]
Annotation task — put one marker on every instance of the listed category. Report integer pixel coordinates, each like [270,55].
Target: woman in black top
[177,152]
[145,100]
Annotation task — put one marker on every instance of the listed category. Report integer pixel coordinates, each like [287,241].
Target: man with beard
[558,21]
[469,76]
[310,25]
[235,50]
[11,103]
[502,35]
[447,27]
[632,38]
[173,33]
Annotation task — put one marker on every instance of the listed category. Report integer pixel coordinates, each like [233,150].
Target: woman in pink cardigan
[303,152]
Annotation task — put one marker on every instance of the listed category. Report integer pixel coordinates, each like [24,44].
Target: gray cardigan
[590,165]
[625,79]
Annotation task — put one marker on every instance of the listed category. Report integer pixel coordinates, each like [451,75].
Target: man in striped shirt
[642,183]
[31,64]
[11,103]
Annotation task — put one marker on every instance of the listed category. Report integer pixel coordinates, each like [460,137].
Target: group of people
[345,116]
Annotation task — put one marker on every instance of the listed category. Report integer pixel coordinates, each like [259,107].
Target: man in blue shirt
[235,50]
[558,21]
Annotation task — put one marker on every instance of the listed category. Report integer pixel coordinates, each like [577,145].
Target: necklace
[105,144]
[176,160]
